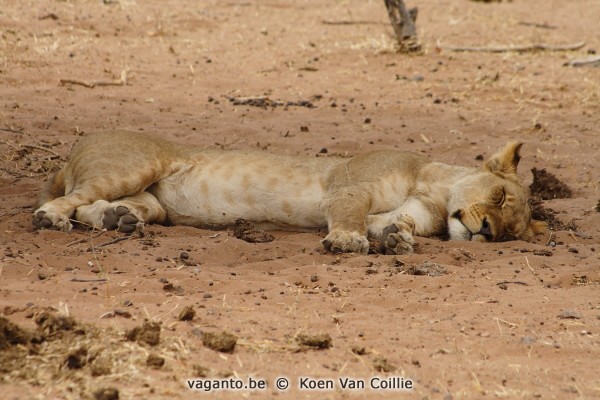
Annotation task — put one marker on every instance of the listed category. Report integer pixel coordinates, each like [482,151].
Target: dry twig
[19,130]
[344,22]
[585,62]
[118,82]
[513,282]
[34,146]
[519,49]
[538,25]
[115,240]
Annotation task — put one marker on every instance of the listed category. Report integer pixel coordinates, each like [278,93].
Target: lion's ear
[506,160]
[499,197]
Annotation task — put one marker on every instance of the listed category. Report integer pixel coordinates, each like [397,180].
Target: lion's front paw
[396,241]
[50,220]
[345,242]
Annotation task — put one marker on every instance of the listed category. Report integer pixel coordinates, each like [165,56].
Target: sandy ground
[461,335]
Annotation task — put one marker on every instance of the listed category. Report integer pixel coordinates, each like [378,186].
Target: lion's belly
[214,196]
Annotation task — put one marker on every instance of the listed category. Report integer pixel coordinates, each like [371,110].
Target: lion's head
[491,205]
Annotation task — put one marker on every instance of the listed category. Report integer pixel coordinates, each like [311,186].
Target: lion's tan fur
[122,180]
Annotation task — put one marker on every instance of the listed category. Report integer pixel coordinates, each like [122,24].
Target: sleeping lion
[123,180]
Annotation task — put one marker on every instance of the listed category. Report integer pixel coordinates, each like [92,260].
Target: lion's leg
[96,180]
[125,215]
[55,214]
[418,216]
[346,211]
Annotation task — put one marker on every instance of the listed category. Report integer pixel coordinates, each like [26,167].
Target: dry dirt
[501,320]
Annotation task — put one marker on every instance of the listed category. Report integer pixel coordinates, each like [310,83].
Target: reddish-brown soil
[512,320]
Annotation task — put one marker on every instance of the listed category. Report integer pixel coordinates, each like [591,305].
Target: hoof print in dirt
[319,341]
[148,333]
[224,342]
[246,231]
[108,393]
[382,365]
[547,186]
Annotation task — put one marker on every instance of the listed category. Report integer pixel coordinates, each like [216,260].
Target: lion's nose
[485,230]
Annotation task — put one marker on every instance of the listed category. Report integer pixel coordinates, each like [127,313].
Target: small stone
[187,314]
[570,314]
[108,393]
[382,365]
[148,333]
[528,340]
[318,341]
[224,342]
[155,361]
[200,371]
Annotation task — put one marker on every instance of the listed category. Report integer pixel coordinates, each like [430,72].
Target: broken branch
[33,146]
[513,282]
[20,130]
[82,280]
[118,82]
[343,22]
[582,62]
[519,49]
[116,240]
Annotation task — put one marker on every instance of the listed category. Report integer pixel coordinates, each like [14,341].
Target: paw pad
[40,221]
[119,218]
[393,241]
